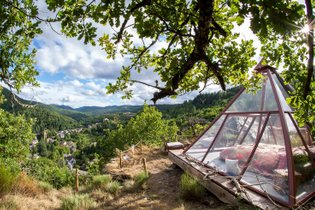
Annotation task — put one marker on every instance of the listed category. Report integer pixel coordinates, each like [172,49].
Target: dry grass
[77,202]
[25,185]
[161,192]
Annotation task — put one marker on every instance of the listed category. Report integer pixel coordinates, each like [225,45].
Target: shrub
[191,189]
[141,178]
[77,202]
[7,179]
[100,181]
[26,185]
[46,170]
[113,187]
[62,177]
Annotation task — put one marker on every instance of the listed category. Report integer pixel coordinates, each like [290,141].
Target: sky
[74,74]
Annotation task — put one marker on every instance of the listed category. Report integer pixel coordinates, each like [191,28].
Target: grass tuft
[45,186]
[191,189]
[7,179]
[101,181]
[77,202]
[141,178]
[113,187]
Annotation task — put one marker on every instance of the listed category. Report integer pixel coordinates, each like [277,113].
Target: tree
[15,137]
[19,25]
[201,45]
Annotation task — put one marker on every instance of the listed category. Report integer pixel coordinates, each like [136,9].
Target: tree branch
[219,28]
[147,84]
[310,44]
[127,16]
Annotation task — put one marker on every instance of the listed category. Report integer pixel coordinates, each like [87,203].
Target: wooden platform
[222,187]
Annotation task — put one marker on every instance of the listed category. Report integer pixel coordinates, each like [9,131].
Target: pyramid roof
[257,140]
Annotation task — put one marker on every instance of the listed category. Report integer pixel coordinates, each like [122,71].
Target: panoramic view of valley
[141,104]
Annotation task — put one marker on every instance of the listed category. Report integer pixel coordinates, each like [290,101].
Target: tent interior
[257,140]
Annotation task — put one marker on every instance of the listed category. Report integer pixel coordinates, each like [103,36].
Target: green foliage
[221,57]
[16,35]
[15,136]
[105,183]
[7,179]
[46,170]
[141,178]
[77,202]
[42,116]
[147,127]
[191,189]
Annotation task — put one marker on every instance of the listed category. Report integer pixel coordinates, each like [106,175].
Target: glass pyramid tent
[256,140]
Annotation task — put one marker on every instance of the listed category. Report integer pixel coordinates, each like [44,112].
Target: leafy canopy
[200,44]
[18,27]
[185,42]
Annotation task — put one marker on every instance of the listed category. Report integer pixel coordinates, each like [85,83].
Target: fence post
[145,168]
[121,159]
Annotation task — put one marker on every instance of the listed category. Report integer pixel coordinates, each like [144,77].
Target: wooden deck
[222,187]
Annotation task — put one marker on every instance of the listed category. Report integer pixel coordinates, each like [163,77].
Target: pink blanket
[265,160]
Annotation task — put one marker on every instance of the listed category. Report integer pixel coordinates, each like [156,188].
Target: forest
[48,142]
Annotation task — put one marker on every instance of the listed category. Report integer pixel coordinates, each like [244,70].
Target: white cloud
[88,70]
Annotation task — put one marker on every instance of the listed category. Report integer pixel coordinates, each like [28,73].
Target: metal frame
[266,71]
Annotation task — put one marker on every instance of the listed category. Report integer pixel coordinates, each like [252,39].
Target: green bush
[100,181]
[191,189]
[46,170]
[7,179]
[141,178]
[77,202]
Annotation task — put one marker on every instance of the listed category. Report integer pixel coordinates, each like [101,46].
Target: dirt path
[162,189]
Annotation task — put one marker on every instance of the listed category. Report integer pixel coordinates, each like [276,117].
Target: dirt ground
[162,189]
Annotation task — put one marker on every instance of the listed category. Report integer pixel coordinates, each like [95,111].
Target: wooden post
[121,159]
[145,168]
[76,180]
[133,149]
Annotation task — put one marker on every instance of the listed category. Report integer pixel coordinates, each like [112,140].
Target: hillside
[161,191]
[61,117]
[45,116]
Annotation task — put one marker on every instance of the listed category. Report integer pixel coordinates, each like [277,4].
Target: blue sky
[74,74]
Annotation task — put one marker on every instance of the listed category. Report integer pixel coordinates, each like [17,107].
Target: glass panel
[283,95]
[201,146]
[281,88]
[234,144]
[270,103]
[268,171]
[304,171]
[251,102]
[247,102]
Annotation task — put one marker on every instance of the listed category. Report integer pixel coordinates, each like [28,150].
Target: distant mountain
[45,116]
[63,107]
[96,110]
[59,117]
